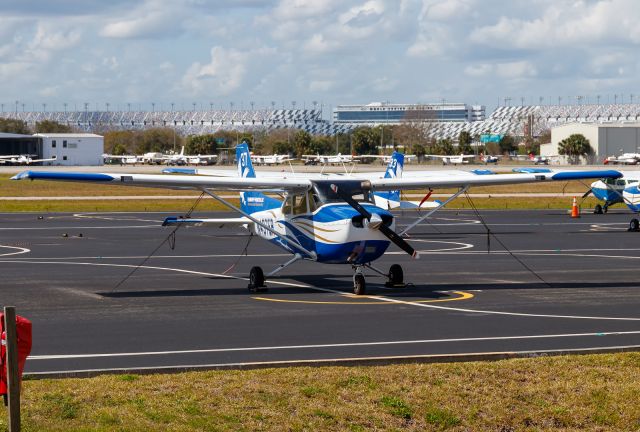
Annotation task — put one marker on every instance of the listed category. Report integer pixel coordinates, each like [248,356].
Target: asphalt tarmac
[97,303]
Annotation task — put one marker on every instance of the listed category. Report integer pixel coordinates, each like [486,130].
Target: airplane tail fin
[251,202]
[391,199]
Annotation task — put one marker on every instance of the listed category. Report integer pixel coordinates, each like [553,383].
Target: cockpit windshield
[323,194]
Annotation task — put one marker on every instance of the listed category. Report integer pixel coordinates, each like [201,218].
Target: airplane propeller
[374,221]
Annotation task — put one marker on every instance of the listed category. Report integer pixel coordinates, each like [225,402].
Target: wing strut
[286,239]
[451,198]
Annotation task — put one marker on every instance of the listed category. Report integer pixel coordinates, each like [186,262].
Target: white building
[377,113]
[607,139]
[72,148]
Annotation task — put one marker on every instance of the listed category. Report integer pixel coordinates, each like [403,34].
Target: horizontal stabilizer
[530,170]
[483,172]
[407,205]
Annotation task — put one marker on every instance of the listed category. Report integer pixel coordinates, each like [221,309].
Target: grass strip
[590,392]
[208,204]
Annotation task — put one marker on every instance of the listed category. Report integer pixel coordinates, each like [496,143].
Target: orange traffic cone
[575,212]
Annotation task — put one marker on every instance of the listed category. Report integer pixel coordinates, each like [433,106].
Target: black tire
[396,275]
[256,278]
[359,285]
[634,225]
[597,209]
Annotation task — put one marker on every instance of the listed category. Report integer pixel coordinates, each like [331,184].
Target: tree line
[411,137]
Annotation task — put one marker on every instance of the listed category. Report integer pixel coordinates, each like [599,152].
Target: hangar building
[72,148]
[17,144]
[607,139]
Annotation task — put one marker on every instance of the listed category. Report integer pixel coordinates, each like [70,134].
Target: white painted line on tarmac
[490,312]
[177,270]
[336,345]
[69,228]
[20,250]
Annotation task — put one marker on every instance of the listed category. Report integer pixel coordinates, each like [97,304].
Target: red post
[13,376]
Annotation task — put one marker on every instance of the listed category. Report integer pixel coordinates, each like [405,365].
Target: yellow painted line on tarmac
[461,296]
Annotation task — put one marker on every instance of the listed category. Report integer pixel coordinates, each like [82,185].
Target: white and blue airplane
[325,219]
[611,191]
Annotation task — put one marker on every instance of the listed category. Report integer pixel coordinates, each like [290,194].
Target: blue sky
[329,51]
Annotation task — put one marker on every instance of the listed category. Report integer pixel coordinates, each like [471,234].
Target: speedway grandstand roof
[514,120]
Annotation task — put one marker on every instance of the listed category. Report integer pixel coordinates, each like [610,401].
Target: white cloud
[223,75]
[446,10]
[579,23]
[146,25]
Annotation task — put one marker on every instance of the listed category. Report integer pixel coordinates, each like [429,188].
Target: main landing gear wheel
[597,209]
[634,225]
[395,276]
[256,279]
[359,285]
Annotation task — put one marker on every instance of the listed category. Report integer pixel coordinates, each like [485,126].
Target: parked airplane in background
[624,159]
[321,219]
[611,190]
[487,159]
[540,160]
[124,159]
[274,159]
[22,159]
[202,159]
[153,158]
[385,159]
[453,160]
[176,158]
[327,159]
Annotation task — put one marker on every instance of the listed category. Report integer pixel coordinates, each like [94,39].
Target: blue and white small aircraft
[317,217]
[611,191]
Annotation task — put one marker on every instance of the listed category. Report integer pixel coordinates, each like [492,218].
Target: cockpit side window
[323,193]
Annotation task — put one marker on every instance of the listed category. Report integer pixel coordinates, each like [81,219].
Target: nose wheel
[359,284]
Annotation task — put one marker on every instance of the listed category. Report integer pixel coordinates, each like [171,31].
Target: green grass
[591,392]
[208,204]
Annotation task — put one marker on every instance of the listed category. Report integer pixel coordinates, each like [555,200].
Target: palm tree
[574,146]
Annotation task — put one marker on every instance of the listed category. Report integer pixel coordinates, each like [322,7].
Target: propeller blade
[398,241]
[353,203]
[586,194]
[385,230]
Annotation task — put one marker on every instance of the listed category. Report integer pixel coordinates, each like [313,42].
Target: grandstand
[184,122]
[445,120]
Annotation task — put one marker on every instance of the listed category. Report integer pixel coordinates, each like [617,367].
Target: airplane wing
[173,181]
[275,174]
[471,179]
[44,160]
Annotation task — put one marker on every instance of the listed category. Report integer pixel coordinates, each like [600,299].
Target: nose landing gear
[395,278]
